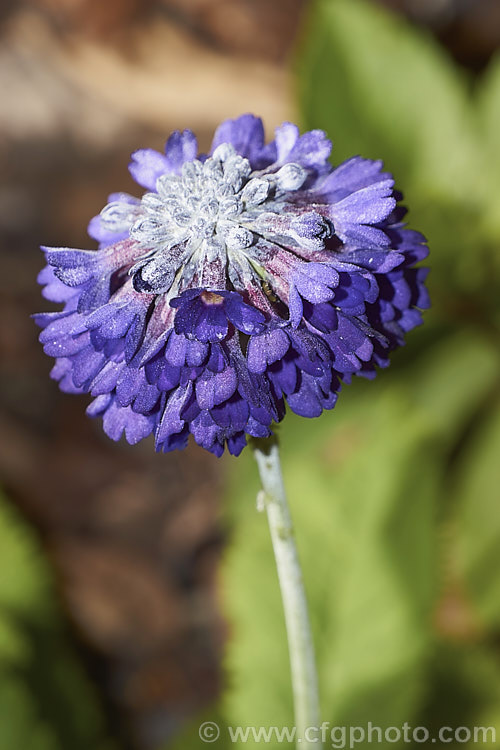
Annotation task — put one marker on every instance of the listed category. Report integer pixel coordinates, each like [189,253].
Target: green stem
[300,643]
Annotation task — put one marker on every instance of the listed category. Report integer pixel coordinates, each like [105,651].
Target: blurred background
[137,591]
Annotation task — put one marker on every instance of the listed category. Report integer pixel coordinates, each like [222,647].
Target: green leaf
[465,691]
[385,89]
[196,733]
[46,700]
[364,519]
[478,518]
[488,110]
[441,383]
[364,483]
[26,588]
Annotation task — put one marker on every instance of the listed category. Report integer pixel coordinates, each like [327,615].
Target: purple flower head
[245,279]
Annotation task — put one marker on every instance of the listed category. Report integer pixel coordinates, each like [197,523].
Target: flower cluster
[243,279]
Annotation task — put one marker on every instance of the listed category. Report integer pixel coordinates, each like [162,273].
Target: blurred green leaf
[46,701]
[441,383]
[27,587]
[465,691]
[488,111]
[364,482]
[364,520]
[385,89]
[190,737]
[477,494]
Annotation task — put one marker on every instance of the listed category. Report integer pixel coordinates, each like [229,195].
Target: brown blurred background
[134,537]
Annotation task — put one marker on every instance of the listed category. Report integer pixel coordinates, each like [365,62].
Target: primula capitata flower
[243,279]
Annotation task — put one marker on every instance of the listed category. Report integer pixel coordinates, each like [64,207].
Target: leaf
[26,588]
[488,110]
[46,701]
[201,730]
[364,483]
[441,383]
[465,691]
[478,518]
[385,89]
[364,519]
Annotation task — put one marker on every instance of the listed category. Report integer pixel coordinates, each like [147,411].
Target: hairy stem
[300,643]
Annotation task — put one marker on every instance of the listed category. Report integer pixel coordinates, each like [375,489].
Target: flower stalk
[300,642]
